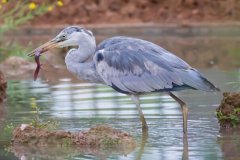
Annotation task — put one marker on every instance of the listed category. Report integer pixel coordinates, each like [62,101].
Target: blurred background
[29,23]
[140,11]
[205,33]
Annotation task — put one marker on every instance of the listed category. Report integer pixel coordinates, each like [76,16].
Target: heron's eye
[63,36]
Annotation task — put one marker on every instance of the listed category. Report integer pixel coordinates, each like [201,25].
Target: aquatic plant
[228,112]
[66,142]
[109,142]
[232,118]
[37,122]
[6,136]
[7,131]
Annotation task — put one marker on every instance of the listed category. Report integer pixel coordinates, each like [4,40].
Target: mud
[97,137]
[140,11]
[228,113]
[17,67]
[3,87]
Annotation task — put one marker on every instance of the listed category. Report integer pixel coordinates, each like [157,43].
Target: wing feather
[136,66]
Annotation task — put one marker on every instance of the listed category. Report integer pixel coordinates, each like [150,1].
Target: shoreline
[149,29]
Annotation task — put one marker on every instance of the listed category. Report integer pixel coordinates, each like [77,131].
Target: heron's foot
[185,117]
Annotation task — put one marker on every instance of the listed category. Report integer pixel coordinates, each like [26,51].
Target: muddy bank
[100,141]
[3,87]
[228,113]
[140,11]
[215,46]
[17,68]
[97,137]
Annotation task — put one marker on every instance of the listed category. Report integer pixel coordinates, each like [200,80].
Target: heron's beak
[46,46]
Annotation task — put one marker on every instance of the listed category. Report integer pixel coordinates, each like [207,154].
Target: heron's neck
[79,62]
[86,50]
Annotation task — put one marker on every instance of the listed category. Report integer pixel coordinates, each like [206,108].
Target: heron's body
[131,66]
[134,66]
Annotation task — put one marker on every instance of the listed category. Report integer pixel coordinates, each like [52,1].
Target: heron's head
[70,36]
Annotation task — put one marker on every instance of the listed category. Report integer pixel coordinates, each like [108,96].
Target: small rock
[23,126]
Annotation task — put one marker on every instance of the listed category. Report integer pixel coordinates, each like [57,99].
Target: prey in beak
[38,51]
[45,47]
[63,39]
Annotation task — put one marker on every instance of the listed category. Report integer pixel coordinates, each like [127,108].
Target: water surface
[79,106]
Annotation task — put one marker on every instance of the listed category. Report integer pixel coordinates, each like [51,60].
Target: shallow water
[79,106]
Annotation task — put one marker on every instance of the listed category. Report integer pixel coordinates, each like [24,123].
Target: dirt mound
[138,11]
[228,113]
[3,87]
[17,67]
[97,137]
[101,141]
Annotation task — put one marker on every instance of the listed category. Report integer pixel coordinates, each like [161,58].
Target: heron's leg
[184,111]
[185,155]
[136,100]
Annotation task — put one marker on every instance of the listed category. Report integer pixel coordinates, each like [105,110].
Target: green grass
[13,14]
[233,118]
[37,122]
[14,49]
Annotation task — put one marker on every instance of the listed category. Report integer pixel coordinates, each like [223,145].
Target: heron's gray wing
[136,66]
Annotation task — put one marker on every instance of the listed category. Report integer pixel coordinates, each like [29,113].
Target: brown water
[79,106]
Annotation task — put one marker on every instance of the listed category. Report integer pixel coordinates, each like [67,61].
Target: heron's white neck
[86,48]
[80,61]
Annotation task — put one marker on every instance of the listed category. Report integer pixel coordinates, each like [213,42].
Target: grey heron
[129,65]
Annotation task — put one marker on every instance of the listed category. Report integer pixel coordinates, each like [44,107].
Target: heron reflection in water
[129,65]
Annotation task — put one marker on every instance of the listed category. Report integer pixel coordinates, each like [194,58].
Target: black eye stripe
[71,30]
[87,32]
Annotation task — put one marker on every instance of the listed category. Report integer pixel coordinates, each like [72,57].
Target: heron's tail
[196,80]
